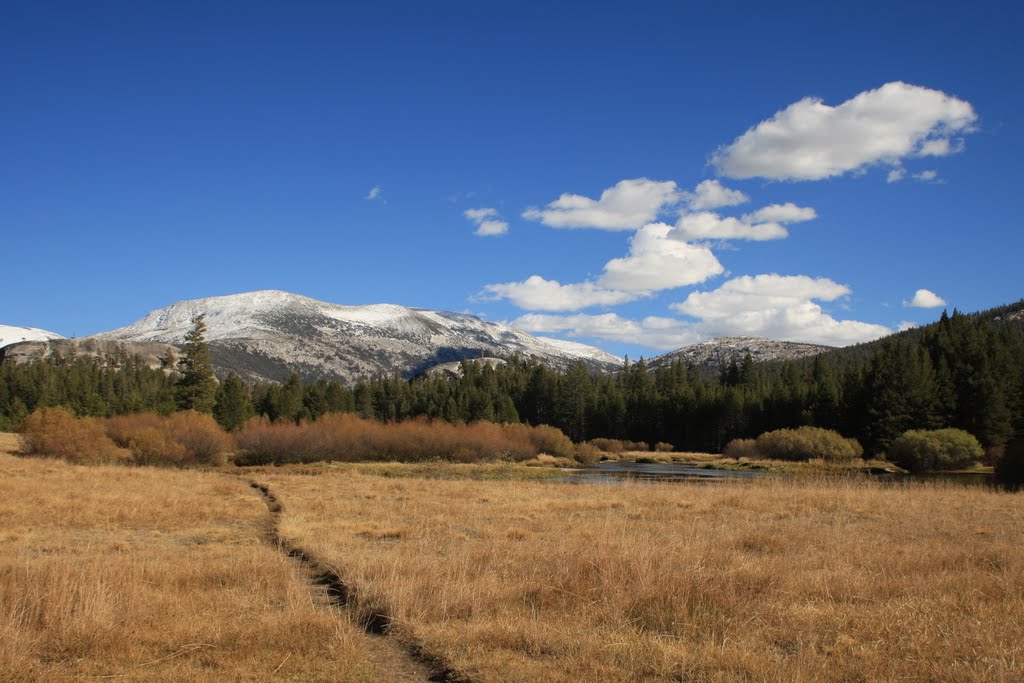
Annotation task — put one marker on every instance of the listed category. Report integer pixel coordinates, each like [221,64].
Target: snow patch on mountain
[581,350]
[711,355]
[11,334]
[261,335]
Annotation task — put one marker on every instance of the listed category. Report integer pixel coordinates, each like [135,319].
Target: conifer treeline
[964,371]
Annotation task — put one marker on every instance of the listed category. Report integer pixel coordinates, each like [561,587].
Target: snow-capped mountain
[709,356]
[263,335]
[9,334]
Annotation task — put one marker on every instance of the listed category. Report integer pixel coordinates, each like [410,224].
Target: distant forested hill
[965,370]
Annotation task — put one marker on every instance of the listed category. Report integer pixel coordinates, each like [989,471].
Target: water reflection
[618,472]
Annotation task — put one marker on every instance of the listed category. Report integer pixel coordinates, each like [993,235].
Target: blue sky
[151,153]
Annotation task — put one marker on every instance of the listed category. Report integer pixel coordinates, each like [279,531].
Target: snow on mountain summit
[11,334]
[261,335]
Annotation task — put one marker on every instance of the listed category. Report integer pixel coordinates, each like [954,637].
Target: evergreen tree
[197,387]
[233,405]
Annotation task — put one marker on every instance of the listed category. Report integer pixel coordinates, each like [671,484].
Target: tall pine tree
[233,405]
[197,387]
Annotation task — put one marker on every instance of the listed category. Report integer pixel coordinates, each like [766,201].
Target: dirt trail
[402,664]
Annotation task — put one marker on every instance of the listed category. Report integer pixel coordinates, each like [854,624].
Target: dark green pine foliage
[965,371]
[84,385]
[233,405]
[197,386]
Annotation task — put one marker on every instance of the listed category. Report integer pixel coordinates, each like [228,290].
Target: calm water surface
[618,472]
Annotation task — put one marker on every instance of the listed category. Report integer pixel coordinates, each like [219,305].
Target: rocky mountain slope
[263,335]
[153,354]
[709,356]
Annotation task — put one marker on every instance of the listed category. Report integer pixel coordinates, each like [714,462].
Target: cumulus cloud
[810,140]
[778,307]
[707,225]
[906,325]
[655,332]
[924,298]
[656,261]
[782,213]
[711,194]
[940,147]
[627,205]
[537,294]
[487,220]
[774,306]
[896,175]
[927,176]
[374,192]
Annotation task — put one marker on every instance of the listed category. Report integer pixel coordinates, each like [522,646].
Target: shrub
[179,440]
[806,443]
[551,440]
[56,433]
[922,450]
[606,445]
[618,445]
[663,447]
[347,437]
[587,453]
[204,440]
[741,448]
[152,446]
[1010,467]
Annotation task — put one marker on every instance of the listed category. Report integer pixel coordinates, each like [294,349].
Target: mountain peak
[711,355]
[264,334]
[12,334]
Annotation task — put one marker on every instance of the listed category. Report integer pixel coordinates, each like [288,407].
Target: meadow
[135,573]
[160,574]
[795,580]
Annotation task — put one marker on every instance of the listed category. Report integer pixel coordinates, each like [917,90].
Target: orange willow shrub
[346,437]
[617,445]
[56,433]
[182,439]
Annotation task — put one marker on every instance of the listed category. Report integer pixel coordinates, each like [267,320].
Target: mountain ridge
[709,356]
[263,335]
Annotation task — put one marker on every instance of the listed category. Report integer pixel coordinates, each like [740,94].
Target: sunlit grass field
[118,573]
[799,580]
[137,573]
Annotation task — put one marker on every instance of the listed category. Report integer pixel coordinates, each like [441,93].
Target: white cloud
[537,294]
[778,307]
[926,176]
[895,175]
[487,220]
[906,325]
[781,213]
[626,206]
[374,192]
[774,306]
[707,225]
[940,147]
[658,333]
[491,228]
[924,298]
[810,140]
[711,194]
[656,261]
[478,215]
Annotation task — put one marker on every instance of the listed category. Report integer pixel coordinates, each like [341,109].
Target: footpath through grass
[797,580]
[129,573]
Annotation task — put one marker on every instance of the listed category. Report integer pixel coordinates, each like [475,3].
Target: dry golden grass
[156,575]
[751,581]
